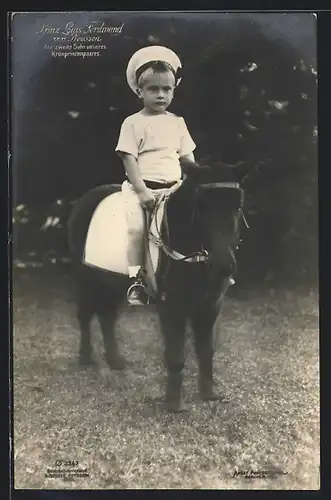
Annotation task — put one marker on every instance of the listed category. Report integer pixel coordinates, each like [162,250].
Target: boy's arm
[189,158]
[188,163]
[132,171]
[127,149]
[187,146]
[145,195]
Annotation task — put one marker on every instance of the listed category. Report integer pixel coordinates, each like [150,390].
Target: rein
[194,257]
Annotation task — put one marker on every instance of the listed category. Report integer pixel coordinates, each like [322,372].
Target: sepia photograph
[165,293]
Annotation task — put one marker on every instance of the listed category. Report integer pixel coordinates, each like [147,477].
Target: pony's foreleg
[173,322]
[203,320]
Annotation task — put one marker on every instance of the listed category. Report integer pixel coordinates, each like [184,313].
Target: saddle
[105,213]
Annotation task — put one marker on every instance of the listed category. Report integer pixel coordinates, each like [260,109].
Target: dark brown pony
[204,214]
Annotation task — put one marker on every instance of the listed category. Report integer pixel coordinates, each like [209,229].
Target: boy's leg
[135,221]
[137,294]
[135,255]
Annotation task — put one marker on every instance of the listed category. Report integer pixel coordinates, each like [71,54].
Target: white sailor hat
[147,55]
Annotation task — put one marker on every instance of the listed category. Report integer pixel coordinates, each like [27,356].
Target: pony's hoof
[117,363]
[211,396]
[207,392]
[85,360]
[175,407]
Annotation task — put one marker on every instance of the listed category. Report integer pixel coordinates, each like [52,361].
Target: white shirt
[157,142]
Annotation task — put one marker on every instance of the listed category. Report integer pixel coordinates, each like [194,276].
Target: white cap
[149,54]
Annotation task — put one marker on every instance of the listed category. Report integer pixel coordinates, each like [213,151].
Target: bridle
[201,256]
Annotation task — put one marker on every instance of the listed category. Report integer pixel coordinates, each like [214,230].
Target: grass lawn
[266,364]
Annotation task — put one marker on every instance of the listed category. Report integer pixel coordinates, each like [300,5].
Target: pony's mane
[180,209]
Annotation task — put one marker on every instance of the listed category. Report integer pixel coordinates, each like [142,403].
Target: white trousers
[134,210]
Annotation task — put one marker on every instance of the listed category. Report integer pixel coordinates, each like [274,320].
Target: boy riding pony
[151,144]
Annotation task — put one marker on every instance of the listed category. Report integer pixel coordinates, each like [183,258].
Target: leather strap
[159,185]
[150,275]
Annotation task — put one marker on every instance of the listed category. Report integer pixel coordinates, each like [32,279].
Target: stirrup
[141,285]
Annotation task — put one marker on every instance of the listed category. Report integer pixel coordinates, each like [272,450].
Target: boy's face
[157,90]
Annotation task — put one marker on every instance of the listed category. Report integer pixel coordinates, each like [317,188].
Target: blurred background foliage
[246,95]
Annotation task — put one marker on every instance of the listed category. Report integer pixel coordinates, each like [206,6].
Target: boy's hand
[147,199]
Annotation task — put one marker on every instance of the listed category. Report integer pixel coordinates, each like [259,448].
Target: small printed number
[66,463]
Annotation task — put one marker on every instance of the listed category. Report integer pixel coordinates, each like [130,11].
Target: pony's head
[209,210]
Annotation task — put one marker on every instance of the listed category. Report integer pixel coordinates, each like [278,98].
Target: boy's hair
[156,66]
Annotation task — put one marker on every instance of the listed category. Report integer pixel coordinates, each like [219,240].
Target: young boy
[150,144]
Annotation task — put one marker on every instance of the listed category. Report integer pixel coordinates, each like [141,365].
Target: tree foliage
[244,96]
